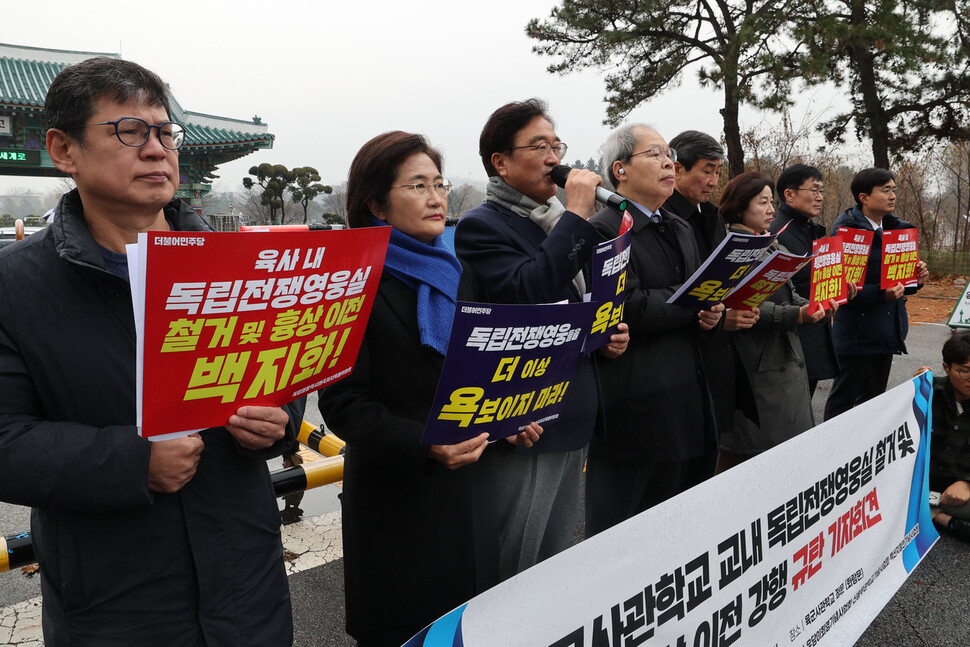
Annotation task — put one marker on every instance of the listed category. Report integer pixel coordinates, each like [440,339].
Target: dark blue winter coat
[869,324]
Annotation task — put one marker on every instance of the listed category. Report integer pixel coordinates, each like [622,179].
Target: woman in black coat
[414,547]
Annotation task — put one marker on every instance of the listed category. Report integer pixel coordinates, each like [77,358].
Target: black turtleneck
[709,229]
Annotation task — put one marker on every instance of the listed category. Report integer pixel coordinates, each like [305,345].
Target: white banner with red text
[802,545]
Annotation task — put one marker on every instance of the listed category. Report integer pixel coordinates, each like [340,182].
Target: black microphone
[618,202]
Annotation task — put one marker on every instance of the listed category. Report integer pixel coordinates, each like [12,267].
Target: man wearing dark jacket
[800,192]
[872,327]
[696,174]
[950,448]
[658,423]
[174,542]
[527,247]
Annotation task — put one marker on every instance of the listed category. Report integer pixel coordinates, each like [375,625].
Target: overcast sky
[328,76]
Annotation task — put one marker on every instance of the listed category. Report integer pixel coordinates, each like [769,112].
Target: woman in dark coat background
[414,547]
[769,353]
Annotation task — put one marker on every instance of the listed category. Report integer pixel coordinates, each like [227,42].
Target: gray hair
[619,146]
[693,146]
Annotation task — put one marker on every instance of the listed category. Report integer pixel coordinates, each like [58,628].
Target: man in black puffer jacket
[173,542]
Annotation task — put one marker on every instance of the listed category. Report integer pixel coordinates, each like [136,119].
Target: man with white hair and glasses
[658,436]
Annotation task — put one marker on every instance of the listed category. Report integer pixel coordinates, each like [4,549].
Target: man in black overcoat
[800,191]
[697,172]
[658,434]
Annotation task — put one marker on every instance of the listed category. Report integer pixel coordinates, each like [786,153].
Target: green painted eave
[27,72]
[208,137]
[23,84]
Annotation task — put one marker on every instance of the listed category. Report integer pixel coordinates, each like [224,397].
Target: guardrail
[17,550]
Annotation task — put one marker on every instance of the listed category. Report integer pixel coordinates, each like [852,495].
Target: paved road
[930,610]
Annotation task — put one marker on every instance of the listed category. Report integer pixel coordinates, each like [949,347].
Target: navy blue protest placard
[610,260]
[506,366]
[723,270]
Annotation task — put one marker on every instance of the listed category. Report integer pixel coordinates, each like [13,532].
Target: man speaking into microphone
[657,407]
[526,247]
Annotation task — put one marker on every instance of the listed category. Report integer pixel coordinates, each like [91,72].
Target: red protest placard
[900,255]
[231,319]
[764,281]
[626,224]
[856,244]
[828,275]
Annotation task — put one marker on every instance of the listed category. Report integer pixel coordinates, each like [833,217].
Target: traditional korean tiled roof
[27,72]
[210,132]
[208,136]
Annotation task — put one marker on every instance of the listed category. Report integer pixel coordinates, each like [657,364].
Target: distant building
[25,76]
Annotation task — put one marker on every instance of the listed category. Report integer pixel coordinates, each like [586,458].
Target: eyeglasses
[658,152]
[134,132]
[543,149]
[422,189]
[962,371]
[814,191]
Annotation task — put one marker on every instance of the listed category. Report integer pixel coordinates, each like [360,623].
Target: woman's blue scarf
[433,272]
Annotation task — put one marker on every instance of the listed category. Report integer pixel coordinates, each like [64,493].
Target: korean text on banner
[506,366]
[856,244]
[765,280]
[828,273]
[801,545]
[229,319]
[723,270]
[610,261]
[900,256]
